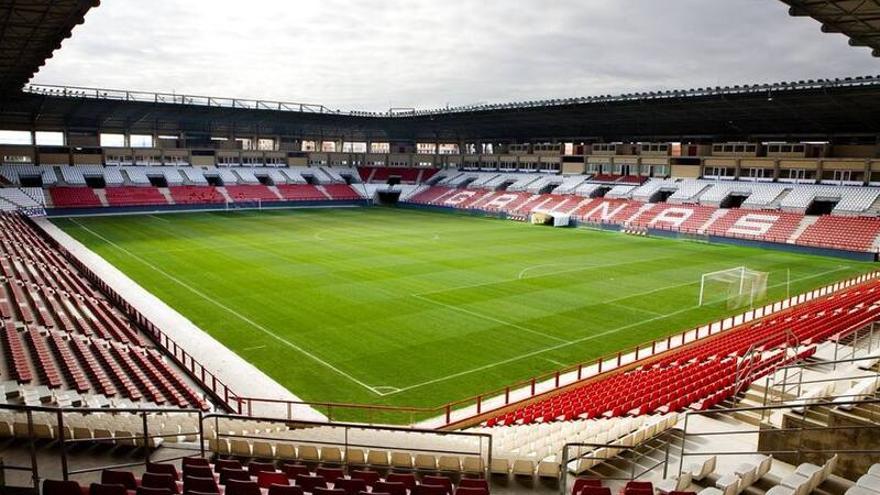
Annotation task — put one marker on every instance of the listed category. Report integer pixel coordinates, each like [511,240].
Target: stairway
[778,199]
[225,194]
[874,209]
[560,205]
[644,208]
[716,215]
[804,225]
[276,192]
[102,196]
[583,202]
[165,192]
[324,192]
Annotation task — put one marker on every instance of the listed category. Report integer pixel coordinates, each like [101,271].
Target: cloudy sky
[377,54]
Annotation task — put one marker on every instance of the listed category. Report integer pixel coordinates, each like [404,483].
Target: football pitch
[418,308]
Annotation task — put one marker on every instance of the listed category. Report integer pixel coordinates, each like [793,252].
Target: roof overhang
[30,31]
[857,19]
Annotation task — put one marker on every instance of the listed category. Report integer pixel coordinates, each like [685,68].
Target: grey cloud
[372,54]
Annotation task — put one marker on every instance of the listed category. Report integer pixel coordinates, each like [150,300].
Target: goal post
[737,287]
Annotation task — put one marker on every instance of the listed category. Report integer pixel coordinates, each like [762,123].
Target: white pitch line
[526,269]
[228,309]
[488,318]
[583,339]
[159,218]
[254,348]
[558,272]
[629,308]
[557,363]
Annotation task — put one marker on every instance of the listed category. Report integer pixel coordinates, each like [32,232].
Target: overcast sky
[376,54]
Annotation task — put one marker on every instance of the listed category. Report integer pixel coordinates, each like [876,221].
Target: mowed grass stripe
[347,295]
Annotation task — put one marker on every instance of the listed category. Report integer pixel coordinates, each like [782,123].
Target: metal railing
[768,89]
[343,438]
[57,424]
[800,449]
[176,99]
[787,389]
[56,428]
[633,454]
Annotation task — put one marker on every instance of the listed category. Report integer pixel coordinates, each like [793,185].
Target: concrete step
[225,194]
[804,225]
[716,215]
[276,192]
[167,193]
[102,196]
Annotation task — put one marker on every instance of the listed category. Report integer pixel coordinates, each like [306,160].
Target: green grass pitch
[418,308]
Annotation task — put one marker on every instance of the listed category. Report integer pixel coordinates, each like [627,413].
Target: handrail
[565,460]
[804,426]
[346,427]
[60,436]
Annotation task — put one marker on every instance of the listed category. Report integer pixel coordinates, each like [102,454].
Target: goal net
[735,287]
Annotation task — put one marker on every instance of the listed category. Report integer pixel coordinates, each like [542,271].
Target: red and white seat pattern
[830,231]
[715,367]
[58,331]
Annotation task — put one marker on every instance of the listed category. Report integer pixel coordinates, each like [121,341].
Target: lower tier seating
[844,232]
[74,197]
[232,477]
[341,192]
[716,367]
[831,231]
[134,196]
[251,193]
[59,332]
[301,192]
[187,195]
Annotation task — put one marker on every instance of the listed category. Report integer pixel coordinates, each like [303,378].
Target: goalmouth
[737,287]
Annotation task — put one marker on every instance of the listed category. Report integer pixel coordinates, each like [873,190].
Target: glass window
[141,141]
[15,137]
[112,140]
[49,138]
[380,147]
[266,144]
[354,147]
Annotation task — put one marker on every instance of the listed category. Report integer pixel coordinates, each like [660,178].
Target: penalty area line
[588,338]
[488,318]
[228,309]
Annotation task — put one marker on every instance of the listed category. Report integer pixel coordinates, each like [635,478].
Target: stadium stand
[125,395]
[301,192]
[195,195]
[134,196]
[341,192]
[74,197]
[251,193]
[15,198]
[52,314]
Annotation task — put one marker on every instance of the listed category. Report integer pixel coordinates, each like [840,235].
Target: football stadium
[652,292]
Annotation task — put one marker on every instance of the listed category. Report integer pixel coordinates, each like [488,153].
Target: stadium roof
[858,19]
[806,110]
[30,30]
